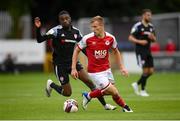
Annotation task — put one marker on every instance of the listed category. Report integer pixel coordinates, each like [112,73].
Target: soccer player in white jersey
[97,44]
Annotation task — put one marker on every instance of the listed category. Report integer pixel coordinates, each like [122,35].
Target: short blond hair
[97,18]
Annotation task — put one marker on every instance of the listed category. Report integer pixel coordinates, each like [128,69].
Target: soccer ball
[70,106]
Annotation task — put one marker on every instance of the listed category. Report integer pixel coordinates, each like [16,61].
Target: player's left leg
[143,81]
[64,89]
[148,70]
[109,89]
[104,87]
[83,76]
[148,73]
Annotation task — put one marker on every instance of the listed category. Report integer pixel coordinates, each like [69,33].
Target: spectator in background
[155,47]
[170,47]
[8,65]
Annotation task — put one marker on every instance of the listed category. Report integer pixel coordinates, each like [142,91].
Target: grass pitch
[22,97]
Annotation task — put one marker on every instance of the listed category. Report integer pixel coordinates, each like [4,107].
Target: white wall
[130,62]
[25,51]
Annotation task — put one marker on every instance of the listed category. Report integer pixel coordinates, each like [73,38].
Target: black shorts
[144,60]
[62,72]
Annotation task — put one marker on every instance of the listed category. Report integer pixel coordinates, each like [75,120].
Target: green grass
[22,97]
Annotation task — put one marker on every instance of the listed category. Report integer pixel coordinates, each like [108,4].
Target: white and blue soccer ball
[70,106]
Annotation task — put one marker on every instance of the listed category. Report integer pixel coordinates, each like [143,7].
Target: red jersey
[97,50]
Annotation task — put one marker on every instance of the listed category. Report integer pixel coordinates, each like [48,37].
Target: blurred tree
[49,9]
[108,8]
[169,5]
[16,9]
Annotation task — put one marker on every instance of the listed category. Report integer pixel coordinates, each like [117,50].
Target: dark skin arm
[40,38]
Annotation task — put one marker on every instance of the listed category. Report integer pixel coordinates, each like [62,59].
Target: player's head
[64,19]
[146,15]
[97,25]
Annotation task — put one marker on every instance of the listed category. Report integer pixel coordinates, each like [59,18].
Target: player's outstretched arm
[40,38]
[74,72]
[119,61]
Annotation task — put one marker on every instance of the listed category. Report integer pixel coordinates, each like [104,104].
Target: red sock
[119,100]
[95,93]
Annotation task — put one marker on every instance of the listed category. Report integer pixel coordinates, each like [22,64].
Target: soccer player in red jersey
[64,37]
[97,44]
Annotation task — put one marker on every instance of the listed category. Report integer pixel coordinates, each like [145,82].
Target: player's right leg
[146,62]
[48,88]
[83,76]
[110,89]
[141,59]
[62,76]
[86,100]
[96,78]
[104,87]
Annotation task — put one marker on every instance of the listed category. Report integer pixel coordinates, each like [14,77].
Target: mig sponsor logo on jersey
[93,43]
[142,62]
[147,33]
[100,54]
[151,29]
[62,79]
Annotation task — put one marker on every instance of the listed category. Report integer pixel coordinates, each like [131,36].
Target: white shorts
[102,79]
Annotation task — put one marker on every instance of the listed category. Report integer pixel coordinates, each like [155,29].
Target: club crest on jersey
[94,43]
[75,36]
[61,78]
[62,35]
[151,30]
[107,42]
[142,29]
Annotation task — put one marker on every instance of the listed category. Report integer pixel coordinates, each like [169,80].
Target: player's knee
[145,73]
[67,93]
[115,92]
[89,84]
[150,73]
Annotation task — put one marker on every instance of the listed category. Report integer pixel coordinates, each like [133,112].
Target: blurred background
[19,49]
